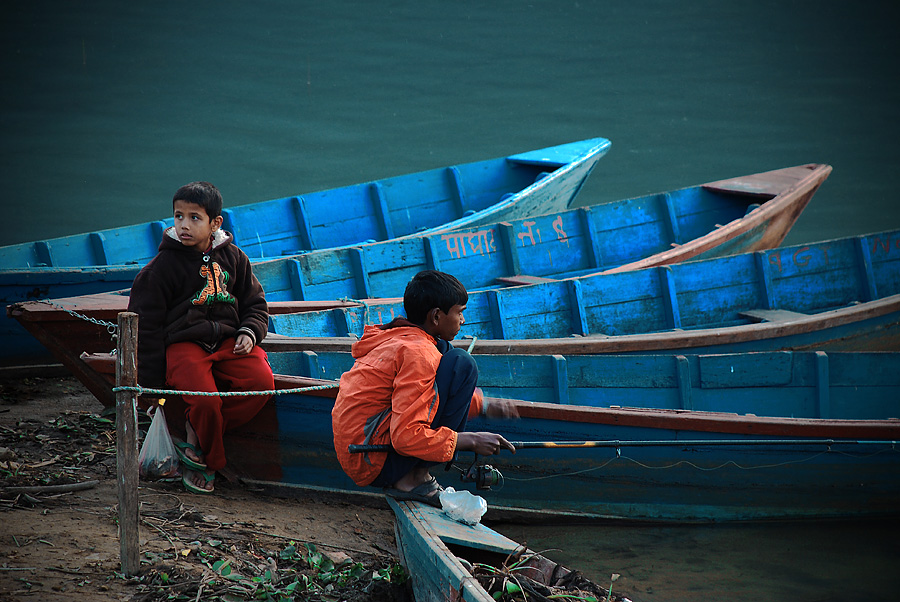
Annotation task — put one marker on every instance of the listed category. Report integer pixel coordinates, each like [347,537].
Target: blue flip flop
[186,481]
[180,446]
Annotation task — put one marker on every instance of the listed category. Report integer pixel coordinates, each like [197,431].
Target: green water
[108,107]
[797,562]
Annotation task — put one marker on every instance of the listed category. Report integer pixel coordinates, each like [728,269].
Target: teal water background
[108,107]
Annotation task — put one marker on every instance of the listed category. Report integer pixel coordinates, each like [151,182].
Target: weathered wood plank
[771,315]
[521,280]
[127,444]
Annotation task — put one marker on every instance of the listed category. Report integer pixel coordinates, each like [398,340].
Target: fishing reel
[484,476]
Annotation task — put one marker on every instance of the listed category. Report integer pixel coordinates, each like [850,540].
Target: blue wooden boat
[449,561]
[427,202]
[735,437]
[747,213]
[757,211]
[842,294]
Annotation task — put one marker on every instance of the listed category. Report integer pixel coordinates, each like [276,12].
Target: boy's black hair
[430,289]
[201,193]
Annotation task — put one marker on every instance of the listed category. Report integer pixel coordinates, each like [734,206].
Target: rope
[141,391]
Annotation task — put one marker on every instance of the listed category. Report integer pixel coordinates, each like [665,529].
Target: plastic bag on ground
[463,506]
[158,459]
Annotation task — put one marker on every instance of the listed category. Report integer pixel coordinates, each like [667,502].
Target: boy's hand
[243,345]
[483,444]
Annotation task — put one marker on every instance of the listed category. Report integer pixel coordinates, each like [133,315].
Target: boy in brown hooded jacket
[202,313]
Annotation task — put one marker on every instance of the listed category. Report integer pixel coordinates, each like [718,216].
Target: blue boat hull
[735,437]
[806,395]
[409,205]
[757,212]
[837,295]
[433,200]
[688,483]
[651,230]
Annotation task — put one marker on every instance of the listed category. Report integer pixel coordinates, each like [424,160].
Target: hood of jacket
[375,336]
[170,240]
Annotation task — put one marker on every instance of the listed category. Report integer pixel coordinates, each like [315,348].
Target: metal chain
[111,329]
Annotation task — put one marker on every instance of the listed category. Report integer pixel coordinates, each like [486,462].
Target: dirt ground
[233,545]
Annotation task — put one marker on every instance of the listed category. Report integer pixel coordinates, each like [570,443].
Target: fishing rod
[485,476]
[355,449]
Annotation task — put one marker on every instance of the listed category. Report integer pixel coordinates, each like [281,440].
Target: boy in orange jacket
[411,389]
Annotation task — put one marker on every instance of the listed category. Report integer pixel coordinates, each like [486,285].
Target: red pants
[189,367]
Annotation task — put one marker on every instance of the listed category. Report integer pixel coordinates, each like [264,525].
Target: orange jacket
[389,396]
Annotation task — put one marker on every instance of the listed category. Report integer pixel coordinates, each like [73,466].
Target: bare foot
[201,480]
[191,437]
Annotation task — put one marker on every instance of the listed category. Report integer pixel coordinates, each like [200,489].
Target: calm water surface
[108,107]
[796,562]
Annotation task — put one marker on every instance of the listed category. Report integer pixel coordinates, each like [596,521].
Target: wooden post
[127,443]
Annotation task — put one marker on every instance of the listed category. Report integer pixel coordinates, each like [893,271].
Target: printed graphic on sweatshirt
[215,290]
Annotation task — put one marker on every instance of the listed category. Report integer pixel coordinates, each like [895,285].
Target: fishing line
[693,465]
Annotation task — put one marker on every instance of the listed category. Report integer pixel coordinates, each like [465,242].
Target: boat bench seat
[771,315]
[521,280]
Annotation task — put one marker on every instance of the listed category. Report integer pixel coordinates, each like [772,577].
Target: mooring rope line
[150,391]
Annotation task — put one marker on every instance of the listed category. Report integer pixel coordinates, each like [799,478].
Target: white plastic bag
[158,459]
[463,506]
